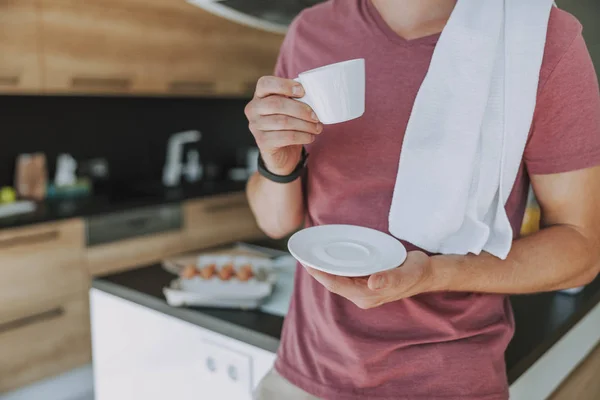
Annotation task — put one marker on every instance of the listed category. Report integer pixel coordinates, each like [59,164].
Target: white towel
[468,128]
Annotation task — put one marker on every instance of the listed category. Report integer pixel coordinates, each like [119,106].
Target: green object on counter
[81,188]
[8,195]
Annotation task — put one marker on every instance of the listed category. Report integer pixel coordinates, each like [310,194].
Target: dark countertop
[541,319]
[119,200]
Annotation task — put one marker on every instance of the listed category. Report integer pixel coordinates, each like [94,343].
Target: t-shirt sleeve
[282,67]
[565,133]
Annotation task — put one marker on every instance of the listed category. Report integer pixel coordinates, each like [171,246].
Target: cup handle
[303,99]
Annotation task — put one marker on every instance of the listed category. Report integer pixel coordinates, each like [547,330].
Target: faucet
[174,163]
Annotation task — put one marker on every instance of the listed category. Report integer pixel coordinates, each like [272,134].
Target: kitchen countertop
[119,200]
[541,319]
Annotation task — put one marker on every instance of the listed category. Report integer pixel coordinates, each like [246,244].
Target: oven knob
[211,364]
[232,372]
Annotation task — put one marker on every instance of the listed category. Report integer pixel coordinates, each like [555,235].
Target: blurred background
[123,144]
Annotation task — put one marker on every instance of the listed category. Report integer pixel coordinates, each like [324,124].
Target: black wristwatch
[296,173]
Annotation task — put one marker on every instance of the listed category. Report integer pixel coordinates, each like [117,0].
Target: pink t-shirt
[436,345]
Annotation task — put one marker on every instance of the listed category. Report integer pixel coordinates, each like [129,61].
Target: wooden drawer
[42,237]
[219,220]
[126,254]
[40,263]
[583,383]
[45,342]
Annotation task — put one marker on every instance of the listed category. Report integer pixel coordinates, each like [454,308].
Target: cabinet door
[583,382]
[19,39]
[165,47]
[207,54]
[218,220]
[94,46]
[39,264]
[127,254]
[45,342]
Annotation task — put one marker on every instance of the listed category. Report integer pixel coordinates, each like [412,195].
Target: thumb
[407,272]
[386,279]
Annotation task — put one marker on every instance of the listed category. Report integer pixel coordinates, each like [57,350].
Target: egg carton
[215,291]
[180,298]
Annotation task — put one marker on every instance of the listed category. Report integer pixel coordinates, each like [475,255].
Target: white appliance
[140,353]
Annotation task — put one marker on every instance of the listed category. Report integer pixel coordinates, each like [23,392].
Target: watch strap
[295,174]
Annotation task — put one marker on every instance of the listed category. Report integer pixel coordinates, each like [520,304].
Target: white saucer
[346,250]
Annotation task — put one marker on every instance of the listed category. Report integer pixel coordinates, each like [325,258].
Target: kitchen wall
[131,132]
[588,13]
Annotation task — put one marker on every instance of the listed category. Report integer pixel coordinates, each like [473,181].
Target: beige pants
[275,387]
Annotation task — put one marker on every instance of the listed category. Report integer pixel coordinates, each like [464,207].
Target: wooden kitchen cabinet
[583,383]
[105,47]
[163,47]
[45,342]
[219,220]
[131,253]
[40,263]
[207,54]
[44,319]
[208,222]
[20,68]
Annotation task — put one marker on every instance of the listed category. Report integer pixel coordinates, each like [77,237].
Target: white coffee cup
[335,92]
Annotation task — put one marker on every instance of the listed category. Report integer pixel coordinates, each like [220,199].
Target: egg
[245,273]
[226,272]
[189,271]
[208,272]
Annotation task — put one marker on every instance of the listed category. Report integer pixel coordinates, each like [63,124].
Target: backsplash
[131,133]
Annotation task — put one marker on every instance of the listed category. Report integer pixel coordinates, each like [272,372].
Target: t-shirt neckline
[387,31]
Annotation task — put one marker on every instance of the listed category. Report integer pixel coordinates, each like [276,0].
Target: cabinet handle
[11,80]
[192,87]
[32,319]
[138,223]
[30,239]
[100,83]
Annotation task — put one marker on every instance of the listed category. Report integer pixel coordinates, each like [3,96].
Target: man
[437,326]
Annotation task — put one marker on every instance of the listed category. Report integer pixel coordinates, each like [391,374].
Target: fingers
[271,123]
[279,139]
[330,282]
[273,105]
[411,271]
[353,289]
[277,120]
[350,288]
[270,85]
